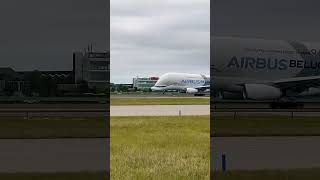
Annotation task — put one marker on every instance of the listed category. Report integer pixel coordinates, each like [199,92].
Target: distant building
[11,81]
[121,87]
[144,83]
[90,74]
[93,68]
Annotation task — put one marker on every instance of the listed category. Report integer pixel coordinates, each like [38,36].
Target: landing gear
[199,94]
[286,105]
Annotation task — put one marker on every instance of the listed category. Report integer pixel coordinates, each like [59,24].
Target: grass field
[160,147]
[266,126]
[300,174]
[96,127]
[53,128]
[159,101]
[54,176]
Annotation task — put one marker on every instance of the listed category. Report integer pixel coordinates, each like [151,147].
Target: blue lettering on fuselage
[271,63]
[258,63]
[192,81]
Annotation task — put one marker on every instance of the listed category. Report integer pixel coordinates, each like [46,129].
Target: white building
[144,83]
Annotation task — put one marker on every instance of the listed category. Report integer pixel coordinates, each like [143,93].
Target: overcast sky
[267,19]
[42,34]
[152,37]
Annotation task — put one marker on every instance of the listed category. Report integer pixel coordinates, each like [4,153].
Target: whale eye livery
[182,82]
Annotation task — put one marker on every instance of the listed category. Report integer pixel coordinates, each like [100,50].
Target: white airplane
[189,83]
[260,69]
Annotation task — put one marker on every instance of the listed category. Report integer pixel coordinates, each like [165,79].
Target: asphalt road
[155,95]
[238,108]
[54,106]
[53,155]
[256,104]
[54,110]
[252,153]
[289,113]
[160,110]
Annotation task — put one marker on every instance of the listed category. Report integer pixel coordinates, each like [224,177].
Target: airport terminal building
[90,73]
[144,83]
[93,68]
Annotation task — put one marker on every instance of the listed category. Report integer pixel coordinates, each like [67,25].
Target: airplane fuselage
[181,82]
[236,62]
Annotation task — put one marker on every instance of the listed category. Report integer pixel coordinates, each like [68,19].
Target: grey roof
[8,73]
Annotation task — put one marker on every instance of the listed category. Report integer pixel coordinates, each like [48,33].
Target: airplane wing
[298,83]
[206,86]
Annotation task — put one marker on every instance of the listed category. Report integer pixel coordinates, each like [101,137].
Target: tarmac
[258,153]
[160,110]
[54,155]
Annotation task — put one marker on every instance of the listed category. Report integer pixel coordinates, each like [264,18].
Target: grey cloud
[154,38]
[269,19]
[42,34]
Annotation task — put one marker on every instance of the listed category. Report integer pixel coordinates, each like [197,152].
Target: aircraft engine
[231,96]
[261,92]
[191,90]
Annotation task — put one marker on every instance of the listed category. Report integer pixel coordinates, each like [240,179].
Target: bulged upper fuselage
[180,82]
[240,65]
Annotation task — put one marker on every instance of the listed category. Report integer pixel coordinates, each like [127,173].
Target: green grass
[265,126]
[300,174]
[53,128]
[159,101]
[160,147]
[54,176]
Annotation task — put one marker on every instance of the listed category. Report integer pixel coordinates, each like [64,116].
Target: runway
[160,110]
[256,108]
[41,112]
[53,155]
[286,113]
[54,110]
[253,153]
[157,95]
[250,104]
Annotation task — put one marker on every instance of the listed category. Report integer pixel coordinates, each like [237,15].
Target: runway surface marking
[160,110]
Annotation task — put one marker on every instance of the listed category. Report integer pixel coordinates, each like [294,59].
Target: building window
[99,65]
[99,76]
